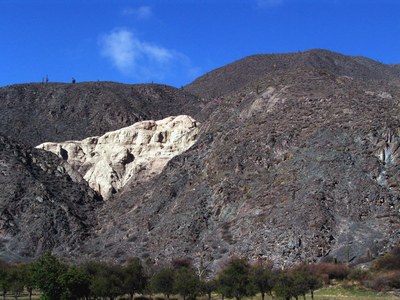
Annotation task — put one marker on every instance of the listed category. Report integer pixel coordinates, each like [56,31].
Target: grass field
[355,293]
[335,292]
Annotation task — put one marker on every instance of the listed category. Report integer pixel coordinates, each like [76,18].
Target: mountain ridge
[228,78]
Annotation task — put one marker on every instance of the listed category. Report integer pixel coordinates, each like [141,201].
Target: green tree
[76,284]
[150,271]
[17,281]
[135,279]
[313,281]
[163,282]
[209,286]
[234,281]
[47,276]
[263,278]
[305,280]
[28,278]
[5,278]
[300,284]
[106,279]
[284,287]
[187,283]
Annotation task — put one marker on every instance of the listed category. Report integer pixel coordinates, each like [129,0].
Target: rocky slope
[292,170]
[36,113]
[44,203]
[229,78]
[133,154]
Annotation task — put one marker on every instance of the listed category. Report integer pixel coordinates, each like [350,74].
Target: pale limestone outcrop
[135,153]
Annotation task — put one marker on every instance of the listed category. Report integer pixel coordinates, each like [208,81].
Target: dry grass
[332,292]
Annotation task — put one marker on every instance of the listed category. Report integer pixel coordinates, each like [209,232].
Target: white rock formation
[135,153]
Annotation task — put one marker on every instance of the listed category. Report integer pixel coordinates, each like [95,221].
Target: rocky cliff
[131,155]
[44,203]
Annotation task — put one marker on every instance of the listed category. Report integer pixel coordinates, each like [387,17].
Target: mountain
[291,164]
[295,166]
[55,112]
[229,78]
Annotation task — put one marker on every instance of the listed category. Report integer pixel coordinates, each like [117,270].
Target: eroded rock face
[44,204]
[132,154]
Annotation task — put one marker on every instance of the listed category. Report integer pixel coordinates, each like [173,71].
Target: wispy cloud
[269,3]
[143,12]
[141,59]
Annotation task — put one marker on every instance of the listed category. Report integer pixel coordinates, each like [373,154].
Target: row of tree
[103,280]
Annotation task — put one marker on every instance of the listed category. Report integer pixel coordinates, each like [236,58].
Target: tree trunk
[262,296]
[312,295]
[131,296]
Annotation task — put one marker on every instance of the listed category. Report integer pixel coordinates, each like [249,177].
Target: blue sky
[175,41]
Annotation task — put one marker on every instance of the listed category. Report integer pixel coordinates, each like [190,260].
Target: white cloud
[269,3]
[141,59]
[143,12]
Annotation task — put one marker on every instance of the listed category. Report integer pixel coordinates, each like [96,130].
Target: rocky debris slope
[294,169]
[229,78]
[36,113]
[44,203]
[131,155]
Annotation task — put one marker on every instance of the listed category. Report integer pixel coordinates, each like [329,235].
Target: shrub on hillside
[358,274]
[181,262]
[334,271]
[390,261]
[384,281]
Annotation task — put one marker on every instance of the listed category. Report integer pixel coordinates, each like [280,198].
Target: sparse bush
[390,261]
[362,260]
[384,281]
[181,262]
[334,271]
[358,274]
[325,278]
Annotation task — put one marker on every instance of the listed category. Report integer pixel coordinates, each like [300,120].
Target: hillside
[294,171]
[55,112]
[229,78]
[44,203]
[289,164]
